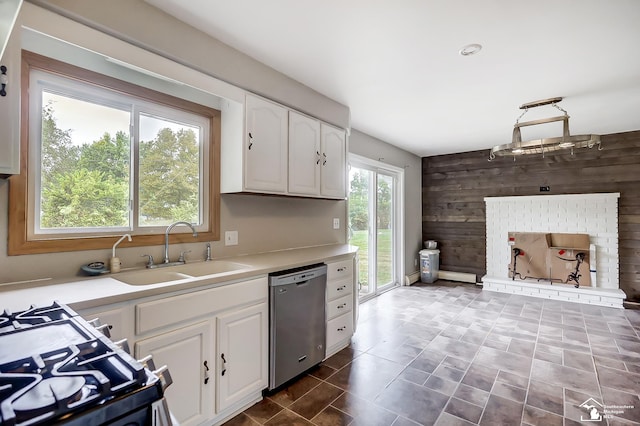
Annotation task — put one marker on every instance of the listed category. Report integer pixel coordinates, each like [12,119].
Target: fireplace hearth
[572,234]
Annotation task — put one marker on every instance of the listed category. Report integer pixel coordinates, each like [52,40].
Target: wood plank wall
[454,187]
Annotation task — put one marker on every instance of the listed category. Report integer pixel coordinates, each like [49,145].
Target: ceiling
[396,64]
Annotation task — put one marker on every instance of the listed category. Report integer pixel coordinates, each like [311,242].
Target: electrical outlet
[231,238]
[336,223]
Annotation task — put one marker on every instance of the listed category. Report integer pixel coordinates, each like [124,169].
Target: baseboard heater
[443,275]
[412,278]
[457,276]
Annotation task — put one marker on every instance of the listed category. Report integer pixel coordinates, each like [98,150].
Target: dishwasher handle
[297,276]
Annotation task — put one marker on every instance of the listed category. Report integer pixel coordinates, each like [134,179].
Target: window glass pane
[359,220]
[384,227]
[169,177]
[85,165]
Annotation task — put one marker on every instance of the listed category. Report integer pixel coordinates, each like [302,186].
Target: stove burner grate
[79,370]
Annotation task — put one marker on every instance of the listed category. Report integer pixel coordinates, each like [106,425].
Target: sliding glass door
[375,223]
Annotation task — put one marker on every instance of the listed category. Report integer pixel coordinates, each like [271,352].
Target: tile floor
[451,354]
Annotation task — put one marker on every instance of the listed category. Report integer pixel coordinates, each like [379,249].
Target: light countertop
[89,292]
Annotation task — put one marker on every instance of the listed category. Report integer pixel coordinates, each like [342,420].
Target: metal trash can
[429,265]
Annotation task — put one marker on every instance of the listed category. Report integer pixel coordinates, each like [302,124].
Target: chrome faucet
[166,241]
[208,258]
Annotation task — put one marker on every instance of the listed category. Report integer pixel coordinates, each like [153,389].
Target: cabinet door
[333,174]
[10,106]
[186,351]
[242,354]
[304,155]
[265,167]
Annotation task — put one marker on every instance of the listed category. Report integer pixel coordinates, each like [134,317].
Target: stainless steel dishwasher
[297,321]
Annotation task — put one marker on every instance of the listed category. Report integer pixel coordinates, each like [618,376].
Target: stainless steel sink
[149,276]
[213,267]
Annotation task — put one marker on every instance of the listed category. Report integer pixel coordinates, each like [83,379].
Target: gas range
[57,368]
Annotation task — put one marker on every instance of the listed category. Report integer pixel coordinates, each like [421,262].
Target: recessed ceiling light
[470,49]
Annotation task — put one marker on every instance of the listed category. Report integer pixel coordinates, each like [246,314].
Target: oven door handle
[206,373]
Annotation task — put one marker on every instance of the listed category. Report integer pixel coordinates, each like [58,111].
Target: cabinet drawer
[170,310]
[340,270]
[339,306]
[120,320]
[339,288]
[339,328]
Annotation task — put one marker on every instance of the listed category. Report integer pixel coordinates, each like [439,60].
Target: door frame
[397,173]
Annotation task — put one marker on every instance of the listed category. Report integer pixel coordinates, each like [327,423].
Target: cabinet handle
[325,158]
[344,268]
[344,305]
[206,373]
[318,160]
[341,288]
[224,365]
[3,80]
[250,140]
[342,329]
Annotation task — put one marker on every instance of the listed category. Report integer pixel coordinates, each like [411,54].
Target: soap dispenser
[115,262]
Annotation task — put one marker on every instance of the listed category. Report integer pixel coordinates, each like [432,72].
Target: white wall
[370,147]
[263,224]
[145,26]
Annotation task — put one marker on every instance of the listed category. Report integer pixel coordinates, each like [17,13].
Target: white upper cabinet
[282,152]
[265,167]
[333,162]
[304,155]
[8,13]
[10,108]
[317,158]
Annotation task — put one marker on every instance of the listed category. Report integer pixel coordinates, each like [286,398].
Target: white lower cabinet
[242,347]
[339,330]
[119,319]
[188,353]
[215,343]
[341,305]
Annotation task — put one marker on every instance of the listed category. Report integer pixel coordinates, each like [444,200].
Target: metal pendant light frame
[547,145]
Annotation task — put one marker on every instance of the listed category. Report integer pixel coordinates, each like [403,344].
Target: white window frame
[397,174]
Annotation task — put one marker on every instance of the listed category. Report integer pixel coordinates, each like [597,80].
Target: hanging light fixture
[547,145]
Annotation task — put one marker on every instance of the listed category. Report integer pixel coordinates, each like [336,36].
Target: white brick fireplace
[593,214]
